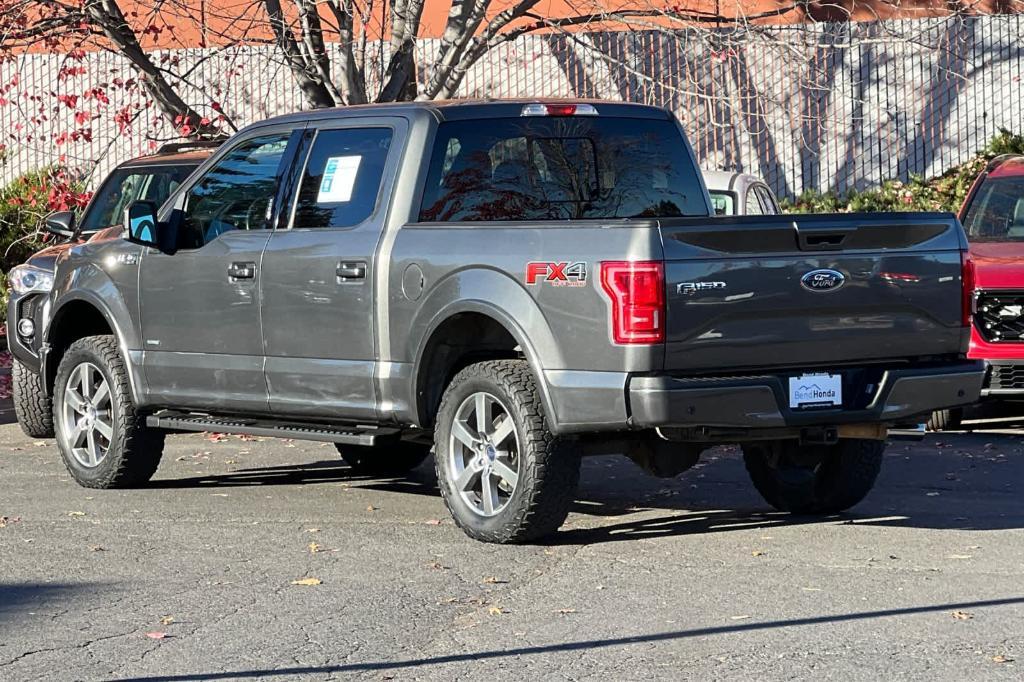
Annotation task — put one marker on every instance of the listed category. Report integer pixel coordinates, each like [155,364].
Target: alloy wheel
[87,415]
[484,454]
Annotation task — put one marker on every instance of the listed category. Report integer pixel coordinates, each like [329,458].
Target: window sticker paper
[338,180]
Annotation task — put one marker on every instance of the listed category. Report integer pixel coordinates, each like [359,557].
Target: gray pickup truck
[513,285]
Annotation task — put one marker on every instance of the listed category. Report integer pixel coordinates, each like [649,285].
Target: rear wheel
[104,441]
[393,459]
[504,476]
[32,407]
[814,479]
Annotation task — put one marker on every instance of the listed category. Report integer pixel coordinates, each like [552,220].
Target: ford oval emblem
[822,280]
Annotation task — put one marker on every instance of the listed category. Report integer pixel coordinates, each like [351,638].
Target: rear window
[560,168]
[126,185]
[724,203]
[997,211]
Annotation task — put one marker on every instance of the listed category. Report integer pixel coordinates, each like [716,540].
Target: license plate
[815,390]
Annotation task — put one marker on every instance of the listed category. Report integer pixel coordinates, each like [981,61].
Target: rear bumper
[761,401]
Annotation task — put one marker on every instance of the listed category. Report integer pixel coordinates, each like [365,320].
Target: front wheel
[814,479]
[503,475]
[103,439]
[32,407]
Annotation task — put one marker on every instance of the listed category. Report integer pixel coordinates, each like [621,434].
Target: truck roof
[1007,165]
[194,157]
[462,109]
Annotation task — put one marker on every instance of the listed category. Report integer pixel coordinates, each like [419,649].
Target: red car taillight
[967,286]
[637,291]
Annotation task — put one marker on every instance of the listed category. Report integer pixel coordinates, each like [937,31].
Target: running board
[356,435]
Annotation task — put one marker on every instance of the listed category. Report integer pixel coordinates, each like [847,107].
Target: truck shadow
[966,481]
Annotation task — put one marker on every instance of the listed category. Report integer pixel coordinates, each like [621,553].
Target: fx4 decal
[560,274]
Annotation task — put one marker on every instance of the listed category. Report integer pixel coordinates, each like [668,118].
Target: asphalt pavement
[268,559]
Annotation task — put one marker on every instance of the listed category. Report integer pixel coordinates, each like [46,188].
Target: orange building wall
[198,23]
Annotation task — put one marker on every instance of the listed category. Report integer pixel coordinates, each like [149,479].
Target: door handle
[242,270]
[349,271]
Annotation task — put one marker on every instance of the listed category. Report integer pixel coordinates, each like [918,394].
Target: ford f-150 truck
[512,285]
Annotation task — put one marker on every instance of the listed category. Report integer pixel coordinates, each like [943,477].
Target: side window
[753,206]
[236,194]
[342,178]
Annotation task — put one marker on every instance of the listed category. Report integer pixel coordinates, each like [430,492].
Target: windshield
[997,211]
[560,168]
[126,185]
[722,202]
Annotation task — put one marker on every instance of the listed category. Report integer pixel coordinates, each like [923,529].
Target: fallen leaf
[312,530]
[959,556]
[564,612]
[811,589]
[491,580]
[1001,659]
[743,617]
[314,548]
[757,552]
[157,635]
[166,620]
[437,566]
[76,513]
[97,548]
[216,437]
[308,581]
[496,611]
[434,522]
[962,615]
[8,520]
[40,444]
[371,508]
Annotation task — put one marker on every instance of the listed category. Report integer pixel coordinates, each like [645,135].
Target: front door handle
[242,270]
[349,271]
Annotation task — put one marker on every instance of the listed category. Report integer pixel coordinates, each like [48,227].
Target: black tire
[392,459]
[814,479]
[548,467]
[32,407]
[133,451]
[945,420]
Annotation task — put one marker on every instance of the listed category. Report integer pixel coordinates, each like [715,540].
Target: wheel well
[73,321]
[460,341]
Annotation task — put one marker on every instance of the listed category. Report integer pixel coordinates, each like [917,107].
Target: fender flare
[95,301]
[528,341]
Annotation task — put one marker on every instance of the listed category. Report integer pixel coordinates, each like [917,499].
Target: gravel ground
[192,578]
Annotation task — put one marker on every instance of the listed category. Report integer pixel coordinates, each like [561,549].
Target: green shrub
[23,205]
[945,192]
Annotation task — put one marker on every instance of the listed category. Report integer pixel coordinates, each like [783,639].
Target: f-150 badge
[559,274]
[690,288]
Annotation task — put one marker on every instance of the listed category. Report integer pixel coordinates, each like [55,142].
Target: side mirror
[140,223]
[60,224]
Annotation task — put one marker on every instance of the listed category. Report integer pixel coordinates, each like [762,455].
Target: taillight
[637,290]
[967,286]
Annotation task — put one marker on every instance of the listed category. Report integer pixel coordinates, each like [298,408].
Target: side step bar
[356,435]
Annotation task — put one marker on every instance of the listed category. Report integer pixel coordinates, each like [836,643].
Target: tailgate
[811,291]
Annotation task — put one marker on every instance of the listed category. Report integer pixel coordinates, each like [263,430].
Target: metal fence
[817,106]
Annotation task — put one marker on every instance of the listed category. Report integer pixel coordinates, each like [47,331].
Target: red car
[993,216]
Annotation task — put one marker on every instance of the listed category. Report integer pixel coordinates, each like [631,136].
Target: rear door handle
[349,271]
[242,270]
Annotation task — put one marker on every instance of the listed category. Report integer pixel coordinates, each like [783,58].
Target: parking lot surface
[268,559]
